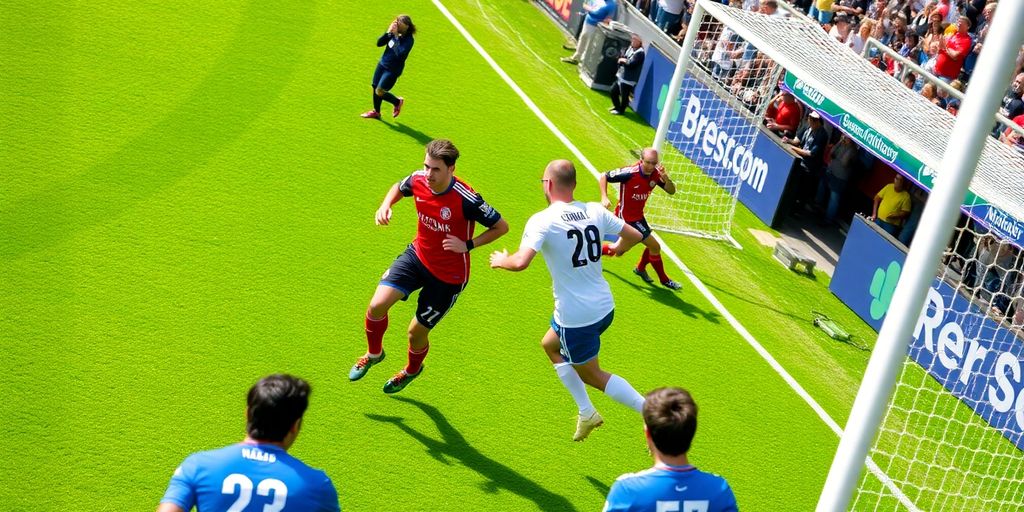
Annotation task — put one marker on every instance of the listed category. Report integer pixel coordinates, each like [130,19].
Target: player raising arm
[437,261]
[569,234]
[258,471]
[636,183]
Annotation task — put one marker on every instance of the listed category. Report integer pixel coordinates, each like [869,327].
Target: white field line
[743,332]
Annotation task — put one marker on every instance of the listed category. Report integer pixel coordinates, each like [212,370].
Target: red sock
[606,250]
[375,329]
[416,360]
[644,260]
[659,267]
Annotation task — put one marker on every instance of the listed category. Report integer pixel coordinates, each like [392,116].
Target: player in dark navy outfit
[397,43]
[437,261]
[670,422]
[636,182]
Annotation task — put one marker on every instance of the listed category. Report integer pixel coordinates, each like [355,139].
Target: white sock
[620,391]
[572,381]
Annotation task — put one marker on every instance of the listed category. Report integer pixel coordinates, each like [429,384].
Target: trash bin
[600,62]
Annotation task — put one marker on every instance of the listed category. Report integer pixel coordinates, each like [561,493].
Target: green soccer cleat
[401,380]
[363,365]
[584,426]
[643,275]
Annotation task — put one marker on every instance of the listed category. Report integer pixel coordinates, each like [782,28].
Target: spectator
[1012,104]
[928,91]
[811,149]
[630,64]
[670,422]
[953,106]
[929,64]
[858,40]
[936,29]
[909,80]
[892,206]
[786,116]
[876,10]
[920,23]
[670,12]
[953,51]
[727,54]
[852,8]
[837,175]
[600,13]
[821,10]
[841,28]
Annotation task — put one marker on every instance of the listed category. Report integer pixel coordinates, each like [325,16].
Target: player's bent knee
[379,92]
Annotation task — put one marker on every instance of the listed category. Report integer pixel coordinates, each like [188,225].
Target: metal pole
[970,133]
[677,77]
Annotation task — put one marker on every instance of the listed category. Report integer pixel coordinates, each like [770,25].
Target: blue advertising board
[715,137]
[974,357]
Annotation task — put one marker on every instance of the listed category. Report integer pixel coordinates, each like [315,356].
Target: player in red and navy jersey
[636,182]
[437,261]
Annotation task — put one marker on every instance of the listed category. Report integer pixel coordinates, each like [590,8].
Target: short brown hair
[671,418]
[443,149]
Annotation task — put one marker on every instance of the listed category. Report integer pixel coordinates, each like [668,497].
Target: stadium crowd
[942,37]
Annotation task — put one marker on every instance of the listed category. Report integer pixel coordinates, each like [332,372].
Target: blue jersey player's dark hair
[407,21]
[671,418]
[275,403]
[443,149]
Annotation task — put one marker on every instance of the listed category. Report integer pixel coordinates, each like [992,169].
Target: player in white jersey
[569,234]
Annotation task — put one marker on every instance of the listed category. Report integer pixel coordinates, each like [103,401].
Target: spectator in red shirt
[786,117]
[953,51]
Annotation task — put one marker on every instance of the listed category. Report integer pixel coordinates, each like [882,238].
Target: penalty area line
[697,283]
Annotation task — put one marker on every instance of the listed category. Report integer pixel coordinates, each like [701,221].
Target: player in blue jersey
[397,43]
[256,474]
[673,484]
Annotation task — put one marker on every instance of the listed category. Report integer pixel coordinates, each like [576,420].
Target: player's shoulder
[459,186]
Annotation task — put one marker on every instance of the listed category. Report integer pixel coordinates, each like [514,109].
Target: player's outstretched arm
[602,180]
[628,237]
[383,216]
[514,262]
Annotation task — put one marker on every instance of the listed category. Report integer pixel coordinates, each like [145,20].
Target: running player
[258,470]
[569,234]
[397,43]
[670,421]
[636,182]
[437,261]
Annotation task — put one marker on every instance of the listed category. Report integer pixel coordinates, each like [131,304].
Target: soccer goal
[938,423]
[710,111]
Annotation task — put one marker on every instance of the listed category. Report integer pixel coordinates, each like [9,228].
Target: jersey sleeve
[620,175]
[726,500]
[534,233]
[329,496]
[405,186]
[182,490]
[610,224]
[619,498]
[479,211]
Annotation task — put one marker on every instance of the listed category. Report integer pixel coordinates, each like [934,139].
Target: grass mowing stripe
[793,384]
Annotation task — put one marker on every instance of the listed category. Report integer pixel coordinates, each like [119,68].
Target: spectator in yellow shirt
[821,10]
[892,206]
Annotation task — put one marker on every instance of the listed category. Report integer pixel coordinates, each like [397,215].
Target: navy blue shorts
[408,274]
[581,344]
[641,225]
[384,78]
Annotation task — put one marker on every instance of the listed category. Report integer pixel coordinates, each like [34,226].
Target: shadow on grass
[599,486]
[668,297]
[417,135]
[768,307]
[453,445]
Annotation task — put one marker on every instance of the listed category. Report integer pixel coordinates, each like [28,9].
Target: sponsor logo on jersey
[434,224]
[640,197]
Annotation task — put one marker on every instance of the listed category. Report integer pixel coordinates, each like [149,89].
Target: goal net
[953,431]
[708,148]
[951,438]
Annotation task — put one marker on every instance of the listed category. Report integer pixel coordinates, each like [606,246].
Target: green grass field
[187,204]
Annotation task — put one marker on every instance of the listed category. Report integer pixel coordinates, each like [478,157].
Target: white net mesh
[722,98]
[951,435]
